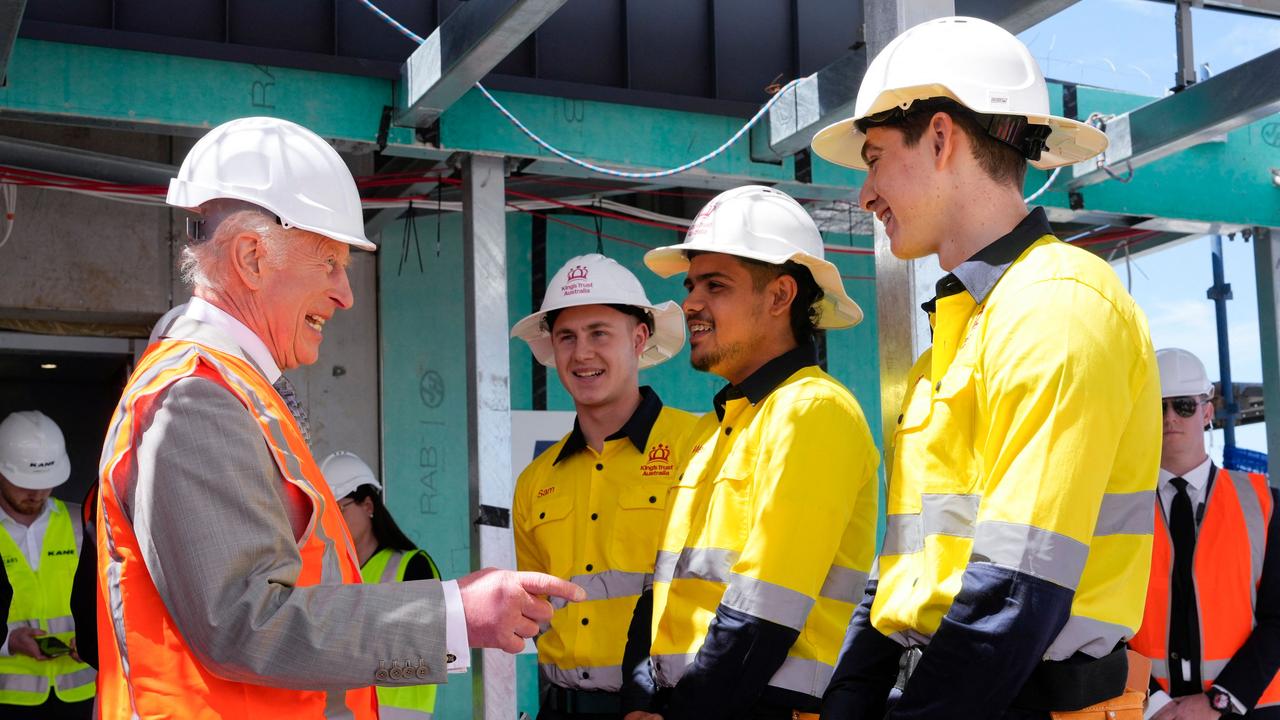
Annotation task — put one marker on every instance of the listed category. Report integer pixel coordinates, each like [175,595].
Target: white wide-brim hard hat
[279,166]
[345,471]
[598,280]
[1182,374]
[33,452]
[976,63]
[764,224]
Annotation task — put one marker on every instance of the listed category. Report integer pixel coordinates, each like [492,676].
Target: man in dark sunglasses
[1212,622]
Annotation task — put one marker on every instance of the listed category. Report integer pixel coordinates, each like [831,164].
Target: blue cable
[583,163]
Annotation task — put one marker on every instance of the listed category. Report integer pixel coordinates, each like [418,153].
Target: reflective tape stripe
[22,624]
[386,712]
[1087,635]
[62,624]
[668,669]
[767,601]
[79,678]
[1254,521]
[940,514]
[1210,669]
[335,706]
[14,682]
[711,564]
[607,585]
[606,677]
[1126,514]
[803,676]
[1159,669]
[1035,551]
[392,568]
[844,584]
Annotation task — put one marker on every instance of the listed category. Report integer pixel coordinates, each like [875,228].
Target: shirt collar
[768,377]
[248,340]
[636,428]
[1197,477]
[980,273]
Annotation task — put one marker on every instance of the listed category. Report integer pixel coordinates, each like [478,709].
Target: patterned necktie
[1184,622]
[290,397]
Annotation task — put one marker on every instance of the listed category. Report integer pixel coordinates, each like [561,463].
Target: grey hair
[208,263]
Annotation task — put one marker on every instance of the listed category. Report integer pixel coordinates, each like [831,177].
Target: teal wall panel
[424,405]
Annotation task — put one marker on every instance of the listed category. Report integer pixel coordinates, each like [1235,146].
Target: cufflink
[450,658]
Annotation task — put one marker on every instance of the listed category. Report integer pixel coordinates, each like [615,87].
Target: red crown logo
[577,272]
[660,453]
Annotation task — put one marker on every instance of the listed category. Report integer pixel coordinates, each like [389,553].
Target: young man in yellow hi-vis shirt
[1018,535]
[771,530]
[590,508]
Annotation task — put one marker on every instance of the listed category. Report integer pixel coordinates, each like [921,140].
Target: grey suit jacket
[218,533]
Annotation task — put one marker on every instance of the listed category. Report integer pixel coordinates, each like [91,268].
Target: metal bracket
[494,516]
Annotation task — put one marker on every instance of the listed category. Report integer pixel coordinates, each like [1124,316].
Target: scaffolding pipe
[1220,293]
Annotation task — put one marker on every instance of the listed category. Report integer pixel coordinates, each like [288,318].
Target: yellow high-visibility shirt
[594,519]
[1030,439]
[775,518]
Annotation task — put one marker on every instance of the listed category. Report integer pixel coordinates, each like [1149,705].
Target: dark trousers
[51,709]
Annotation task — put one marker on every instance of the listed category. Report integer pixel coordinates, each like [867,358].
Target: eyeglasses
[345,503]
[1183,406]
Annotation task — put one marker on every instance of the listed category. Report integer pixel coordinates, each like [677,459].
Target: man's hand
[641,715]
[22,641]
[1190,707]
[504,607]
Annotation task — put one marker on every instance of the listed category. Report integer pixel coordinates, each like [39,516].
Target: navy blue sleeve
[994,636]
[1255,664]
[865,669]
[738,657]
[637,680]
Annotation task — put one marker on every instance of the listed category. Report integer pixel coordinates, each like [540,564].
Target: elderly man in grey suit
[226,577]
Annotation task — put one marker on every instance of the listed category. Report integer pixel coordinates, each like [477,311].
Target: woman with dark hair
[386,555]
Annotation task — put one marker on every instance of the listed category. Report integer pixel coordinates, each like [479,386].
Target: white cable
[1044,188]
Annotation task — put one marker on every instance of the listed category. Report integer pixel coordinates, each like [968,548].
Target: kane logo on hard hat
[577,272]
[42,465]
[659,461]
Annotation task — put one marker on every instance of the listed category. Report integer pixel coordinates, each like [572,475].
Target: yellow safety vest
[410,702]
[774,516]
[594,519]
[1029,438]
[42,599]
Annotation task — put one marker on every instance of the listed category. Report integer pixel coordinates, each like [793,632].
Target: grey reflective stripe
[73,680]
[22,624]
[391,571]
[711,564]
[767,601]
[1035,551]
[940,514]
[1210,669]
[607,585]
[668,669]
[1126,514]
[1087,635]
[62,624]
[1254,521]
[1159,669]
[803,676]
[335,706]
[844,584]
[15,682]
[606,677]
[386,712]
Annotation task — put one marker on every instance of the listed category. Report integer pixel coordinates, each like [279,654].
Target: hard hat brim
[664,343]
[43,480]
[1069,142]
[836,310]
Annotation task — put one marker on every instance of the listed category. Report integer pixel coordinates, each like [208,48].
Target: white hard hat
[1182,374]
[763,224]
[33,453]
[345,471]
[974,62]
[597,280]
[279,166]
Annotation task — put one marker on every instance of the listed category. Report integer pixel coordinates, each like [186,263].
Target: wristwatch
[1219,700]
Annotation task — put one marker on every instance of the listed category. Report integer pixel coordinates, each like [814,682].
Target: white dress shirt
[456,640]
[28,539]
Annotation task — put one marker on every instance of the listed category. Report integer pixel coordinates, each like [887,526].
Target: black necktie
[290,397]
[1184,624]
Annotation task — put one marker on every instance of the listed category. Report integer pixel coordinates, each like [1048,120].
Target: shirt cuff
[1155,703]
[1237,707]
[4,647]
[456,641]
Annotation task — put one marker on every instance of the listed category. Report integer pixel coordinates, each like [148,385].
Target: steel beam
[466,46]
[65,160]
[829,94]
[1266,264]
[488,402]
[1208,109]
[1251,7]
[10,18]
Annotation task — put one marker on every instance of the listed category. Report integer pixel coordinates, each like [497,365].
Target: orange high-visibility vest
[1230,547]
[146,668]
